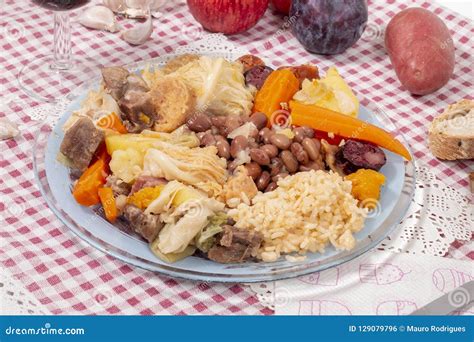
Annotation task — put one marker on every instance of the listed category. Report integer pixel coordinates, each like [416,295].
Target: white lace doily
[15,299]
[213,44]
[437,216]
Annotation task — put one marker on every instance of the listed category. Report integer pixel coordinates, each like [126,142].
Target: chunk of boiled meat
[147,182]
[235,245]
[80,142]
[147,225]
[138,111]
[355,155]
[115,80]
[137,83]
[118,186]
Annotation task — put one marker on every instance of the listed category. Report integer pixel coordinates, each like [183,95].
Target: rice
[307,211]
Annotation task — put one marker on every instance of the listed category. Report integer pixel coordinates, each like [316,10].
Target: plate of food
[218,169]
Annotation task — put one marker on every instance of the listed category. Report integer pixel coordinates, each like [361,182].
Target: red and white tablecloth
[69,277]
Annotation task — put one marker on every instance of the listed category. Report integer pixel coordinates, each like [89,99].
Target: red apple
[282,6]
[227,16]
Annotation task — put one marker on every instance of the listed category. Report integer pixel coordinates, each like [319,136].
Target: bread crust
[451,147]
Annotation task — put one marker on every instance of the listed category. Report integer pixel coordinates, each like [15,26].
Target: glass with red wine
[49,78]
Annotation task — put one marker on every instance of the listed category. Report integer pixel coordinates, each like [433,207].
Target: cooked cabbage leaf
[206,238]
[174,193]
[128,150]
[219,86]
[185,223]
[171,257]
[200,167]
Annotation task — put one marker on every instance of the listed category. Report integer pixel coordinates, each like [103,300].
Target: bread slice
[451,135]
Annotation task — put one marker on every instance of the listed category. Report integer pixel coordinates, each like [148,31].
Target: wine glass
[49,78]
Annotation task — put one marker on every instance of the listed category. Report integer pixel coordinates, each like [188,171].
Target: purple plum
[328,27]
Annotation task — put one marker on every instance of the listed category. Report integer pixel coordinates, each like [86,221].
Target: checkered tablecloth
[69,277]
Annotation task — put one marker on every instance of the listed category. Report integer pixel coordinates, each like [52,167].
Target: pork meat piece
[115,80]
[80,142]
[137,83]
[118,186]
[147,182]
[355,155]
[138,111]
[235,245]
[147,225]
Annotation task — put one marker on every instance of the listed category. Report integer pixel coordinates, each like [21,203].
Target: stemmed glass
[51,77]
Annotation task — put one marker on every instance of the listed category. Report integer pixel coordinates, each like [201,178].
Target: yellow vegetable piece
[185,194]
[330,92]
[135,142]
[149,139]
[366,186]
[142,198]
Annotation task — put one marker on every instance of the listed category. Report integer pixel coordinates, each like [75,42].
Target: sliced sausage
[257,75]
[250,61]
[355,155]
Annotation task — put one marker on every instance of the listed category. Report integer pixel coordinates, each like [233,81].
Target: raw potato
[421,50]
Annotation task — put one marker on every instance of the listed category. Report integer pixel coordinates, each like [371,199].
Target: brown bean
[253,134]
[317,142]
[312,165]
[272,186]
[309,132]
[200,135]
[263,181]
[232,122]
[232,165]
[223,147]
[265,134]
[199,122]
[218,121]
[311,146]
[208,139]
[259,120]
[270,150]
[289,161]
[275,166]
[253,144]
[253,170]
[238,144]
[281,141]
[300,154]
[299,134]
[258,156]
[279,176]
